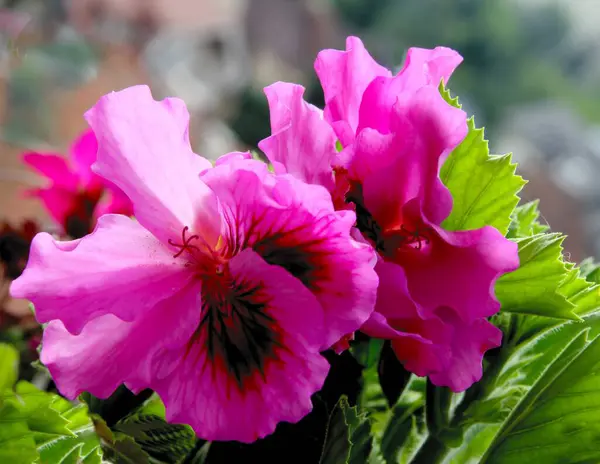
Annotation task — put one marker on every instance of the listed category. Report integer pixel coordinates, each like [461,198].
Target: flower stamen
[185,246]
[409,237]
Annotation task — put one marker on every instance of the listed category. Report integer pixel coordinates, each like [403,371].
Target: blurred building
[61,56]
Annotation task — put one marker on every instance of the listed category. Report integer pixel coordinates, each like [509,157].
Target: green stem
[432,451]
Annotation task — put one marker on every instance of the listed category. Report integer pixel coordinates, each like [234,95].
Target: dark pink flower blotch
[76,197]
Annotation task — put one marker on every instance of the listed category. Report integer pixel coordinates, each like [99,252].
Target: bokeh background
[531,75]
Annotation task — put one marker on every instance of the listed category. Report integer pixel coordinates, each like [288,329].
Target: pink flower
[76,197]
[395,132]
[222,294]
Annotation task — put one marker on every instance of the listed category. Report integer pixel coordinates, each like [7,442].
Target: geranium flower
[222,294]
[76,197]
[378,147]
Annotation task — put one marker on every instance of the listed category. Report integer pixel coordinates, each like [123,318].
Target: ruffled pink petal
[440,274]
[442,346]
[143,149]
[55,168]
[119,269]
[394,319]
[233,157]
[59,203]
[244,401]
[344,76]
[83,154]
[109,351]
[179,111]
[396,167]
[303,143]
[423,68]
[465,350]
[293,224]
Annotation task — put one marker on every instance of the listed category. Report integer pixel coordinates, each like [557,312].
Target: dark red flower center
[79,221]
[386,242]
[236,328]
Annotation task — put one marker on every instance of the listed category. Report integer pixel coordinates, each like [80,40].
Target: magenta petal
[178,110]
[396,317]
[403,164]
[423,68]
[344,76]
[293,224]
[119,269]
[302,144]
[59,203]
[83,154]
[143,150]
[203,391]
[430,66]
[109,351]
[233,157]
[469,342]
[55,168]
[114,202]
[440,274]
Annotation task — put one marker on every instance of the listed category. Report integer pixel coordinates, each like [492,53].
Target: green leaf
[557,421]
[348,439]
[58,430]
[405,430]
[124,450]
[16,441]
[200,456]
[590,270]
[533,289]
[525,221]
[484,187]
[372,398]
[393,378]
[9,366]
[82,441]
[160,441]
[36,407]
[169,443]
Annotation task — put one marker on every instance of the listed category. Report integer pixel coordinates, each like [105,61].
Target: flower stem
[432,451]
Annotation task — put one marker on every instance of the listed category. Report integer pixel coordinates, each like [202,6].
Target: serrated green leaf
[59,431]
[16,441]
[348,439]
[533,289]
[484,187]
[83,441]
[164,442]
[405,430]
[371,399]
[169,443]
[590,270]
[36,408]
[124,450]
[9,366]
[557,421]
[525,221]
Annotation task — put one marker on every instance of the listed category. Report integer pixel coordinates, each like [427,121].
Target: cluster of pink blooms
[232,279]
[76,196]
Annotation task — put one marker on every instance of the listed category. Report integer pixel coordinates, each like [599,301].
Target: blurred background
[531,75]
